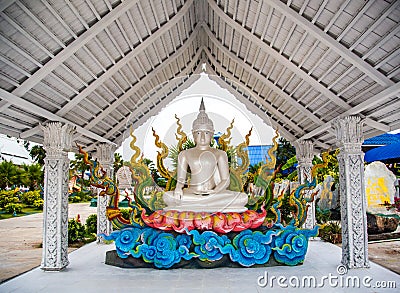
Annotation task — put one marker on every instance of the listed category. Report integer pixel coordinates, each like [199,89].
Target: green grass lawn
[25,211]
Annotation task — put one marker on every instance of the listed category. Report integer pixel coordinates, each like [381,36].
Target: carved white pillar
[57,142]
[304,155]
[105,156]
[352,192]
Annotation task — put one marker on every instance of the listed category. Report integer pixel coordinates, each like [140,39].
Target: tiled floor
[88,273]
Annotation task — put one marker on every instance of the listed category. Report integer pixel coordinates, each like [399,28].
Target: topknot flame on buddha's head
[202,122]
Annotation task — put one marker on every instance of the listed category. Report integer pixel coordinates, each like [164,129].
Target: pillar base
[51,269]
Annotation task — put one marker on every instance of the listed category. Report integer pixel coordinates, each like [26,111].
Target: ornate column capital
[105,156]
[304,155]
[349,133]
[105,153]
[304,151]
[57,138]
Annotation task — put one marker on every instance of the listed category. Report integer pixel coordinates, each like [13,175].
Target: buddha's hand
[178,195]
[205,192]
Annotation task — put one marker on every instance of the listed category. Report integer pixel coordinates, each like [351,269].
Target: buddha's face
[202,137]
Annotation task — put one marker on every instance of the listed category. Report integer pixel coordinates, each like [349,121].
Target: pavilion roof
[105,65]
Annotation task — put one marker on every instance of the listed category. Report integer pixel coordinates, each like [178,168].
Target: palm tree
[254,168]
[118,163]
[79,166]
[152,168]
[284,153]
[32,176]
[9,174]
[174,151]
[38,154]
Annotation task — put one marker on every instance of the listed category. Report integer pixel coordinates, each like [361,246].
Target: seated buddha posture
[209,175]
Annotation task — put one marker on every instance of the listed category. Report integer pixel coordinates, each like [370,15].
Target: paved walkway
[386,253]
[21,239]
[88,273]
[20,252]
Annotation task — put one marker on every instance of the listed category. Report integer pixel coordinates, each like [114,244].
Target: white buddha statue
[209,175]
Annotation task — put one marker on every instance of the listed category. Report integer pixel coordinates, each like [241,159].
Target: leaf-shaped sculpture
[237,171]
[225,139]
[182,138]
[164,172]
[144,180]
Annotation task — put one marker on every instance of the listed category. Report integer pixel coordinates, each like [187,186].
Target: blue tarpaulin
[383,139]
[382,153]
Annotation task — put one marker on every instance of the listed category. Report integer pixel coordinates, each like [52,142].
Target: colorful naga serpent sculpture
[150,232]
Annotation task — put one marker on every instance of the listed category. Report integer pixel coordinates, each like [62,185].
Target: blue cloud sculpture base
[139,247]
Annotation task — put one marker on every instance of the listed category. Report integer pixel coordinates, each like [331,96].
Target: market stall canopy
[383,153]
[383,139]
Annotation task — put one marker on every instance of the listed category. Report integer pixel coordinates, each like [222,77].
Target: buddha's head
[202,127]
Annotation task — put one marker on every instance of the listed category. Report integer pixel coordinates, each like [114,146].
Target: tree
[118,162]
[32,176]
[79,167]
[38,154]
[288,167]
[9,174]
[284,153]
[152,168]
[174,151]
[254,168]
[332,169]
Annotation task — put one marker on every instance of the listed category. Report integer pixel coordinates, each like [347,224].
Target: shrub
[322,216]
[80,196]
[393,206]
[38,204]
[13,207]
[76,231]
[331,232]
[30,197]
[76,198]
[7,197]
[91,224]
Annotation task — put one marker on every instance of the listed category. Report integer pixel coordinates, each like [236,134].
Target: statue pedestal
[130,262]
[148,247]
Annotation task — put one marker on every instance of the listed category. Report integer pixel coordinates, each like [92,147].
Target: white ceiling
[302,62]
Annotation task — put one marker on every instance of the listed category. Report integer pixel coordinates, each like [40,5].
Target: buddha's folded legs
[229,201]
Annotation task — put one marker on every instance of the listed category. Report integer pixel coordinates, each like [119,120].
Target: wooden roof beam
[145,80]
[258,75]
[371,102]
[32,108]
[5,3]
[264,104]
[331,43]
[270,51]
[140,48]
[253,108]
[73,47]
[163,100]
